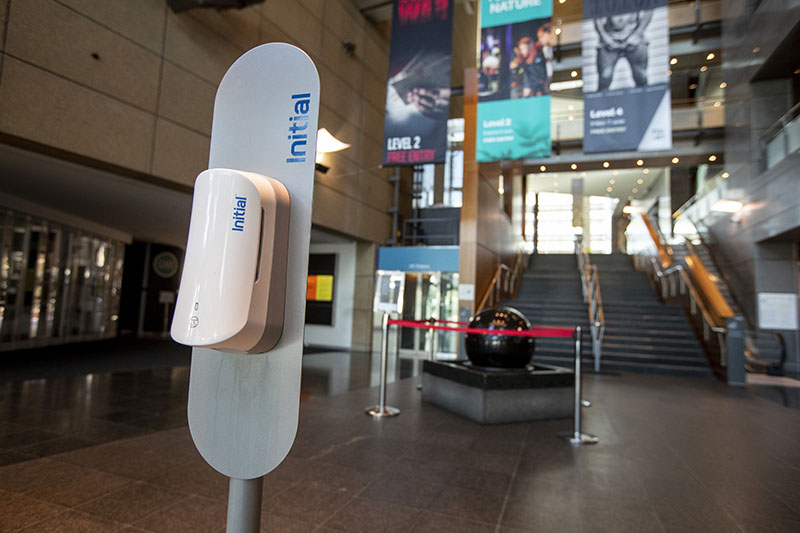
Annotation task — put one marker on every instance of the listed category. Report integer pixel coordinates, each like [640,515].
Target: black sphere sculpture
[501,351]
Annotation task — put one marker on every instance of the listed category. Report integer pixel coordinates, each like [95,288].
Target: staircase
[550,295]
[642,334]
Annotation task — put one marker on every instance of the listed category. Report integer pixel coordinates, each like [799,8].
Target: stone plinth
[496,396]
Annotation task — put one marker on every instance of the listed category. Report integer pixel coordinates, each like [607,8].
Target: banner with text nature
[418,92]
[514,74]
[626,96]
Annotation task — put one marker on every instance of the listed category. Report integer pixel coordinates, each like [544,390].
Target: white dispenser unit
[232,290]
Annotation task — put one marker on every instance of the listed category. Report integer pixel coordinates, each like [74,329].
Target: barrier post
[576,437]
[382,410]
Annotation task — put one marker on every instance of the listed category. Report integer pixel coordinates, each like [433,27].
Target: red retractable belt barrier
[536,331]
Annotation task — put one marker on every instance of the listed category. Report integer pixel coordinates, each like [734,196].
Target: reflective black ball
[500,350]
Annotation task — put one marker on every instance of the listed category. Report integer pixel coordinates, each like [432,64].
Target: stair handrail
[673,278]
[505,281]
[593,298]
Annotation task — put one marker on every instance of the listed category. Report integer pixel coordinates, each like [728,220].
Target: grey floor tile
[367,516]
[194,514]
[271,523]
[431,522]
[402,489]
[472,478]
[18,511]
[305,504]
[74,522]
[132,502]
[466,503]
[196,477]
[526,515]
[83,484]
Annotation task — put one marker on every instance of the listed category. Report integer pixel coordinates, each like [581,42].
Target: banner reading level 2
[514,79]
[626,92]
[418,92]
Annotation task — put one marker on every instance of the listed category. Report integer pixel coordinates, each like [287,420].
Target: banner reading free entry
[626,96]
[514,74]
[418,92]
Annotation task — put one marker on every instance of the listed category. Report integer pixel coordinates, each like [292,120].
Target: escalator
[686,274]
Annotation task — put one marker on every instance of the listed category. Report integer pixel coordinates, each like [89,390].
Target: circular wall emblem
[165,264]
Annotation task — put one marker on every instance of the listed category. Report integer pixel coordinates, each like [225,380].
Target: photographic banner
[626,96]
[514,74]
[418,92]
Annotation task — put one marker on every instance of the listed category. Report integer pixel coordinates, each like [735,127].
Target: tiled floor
[676,454]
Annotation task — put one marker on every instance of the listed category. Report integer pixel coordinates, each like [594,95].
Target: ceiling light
[500,185]
[640,181]
[612,181]
[693,86]
[629,210]
[571,107]
[555,184]
[616,172]
[640,162]
[606,164]
[573,74]
[573,166]
[726,175]
[673,61]
[710,56]
[562,1]
[756,50]
[570,117]
[717,104]
[634,190]
[327,143]
[609,189]
[675,160]
[726,206]
[703,68]
[558,31]
[712,158]
[646,171]
[583,174]
[542,168]
[723,85]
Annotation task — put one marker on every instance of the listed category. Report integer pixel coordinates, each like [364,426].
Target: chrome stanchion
[576,437]
[382,410]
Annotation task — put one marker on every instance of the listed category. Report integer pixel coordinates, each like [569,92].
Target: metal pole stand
[576,437]
[244,505]
[382,410]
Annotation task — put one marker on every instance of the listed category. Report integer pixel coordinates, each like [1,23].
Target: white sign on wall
[389,287]
[466,291]
[777,310]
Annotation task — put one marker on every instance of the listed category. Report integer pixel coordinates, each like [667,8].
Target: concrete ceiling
[129,206]
[596,183]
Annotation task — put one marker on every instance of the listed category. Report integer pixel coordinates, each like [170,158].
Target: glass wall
[57,284]
[554,232]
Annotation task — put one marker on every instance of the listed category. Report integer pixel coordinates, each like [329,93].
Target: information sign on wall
[626,93]
[418,92]
[514,75]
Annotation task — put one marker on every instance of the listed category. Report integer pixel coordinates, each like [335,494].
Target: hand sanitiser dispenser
[242,298]
[232,289]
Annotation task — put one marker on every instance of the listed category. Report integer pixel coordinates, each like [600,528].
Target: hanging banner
[418,92]
[514,79]
[626,96]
